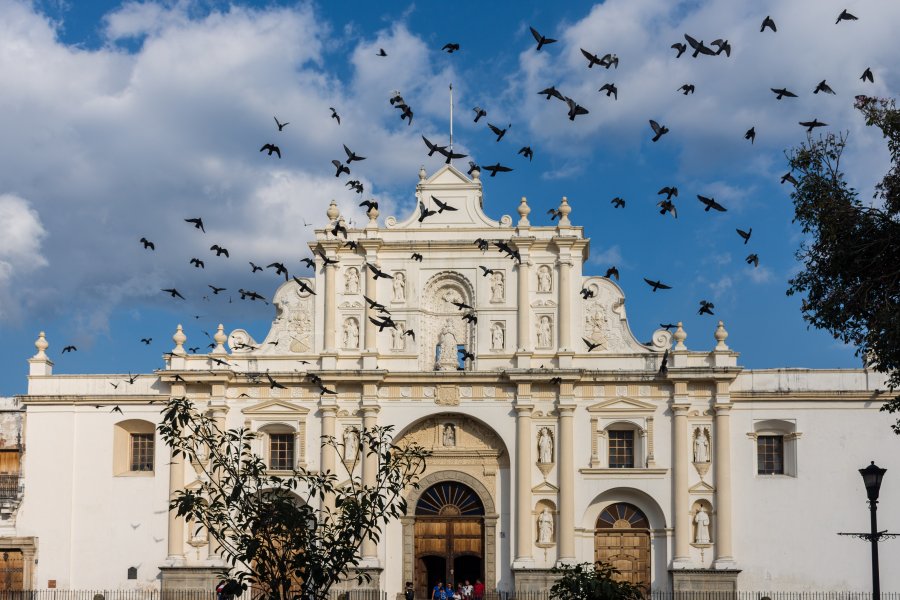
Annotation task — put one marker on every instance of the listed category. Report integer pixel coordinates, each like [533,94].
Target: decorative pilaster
[565,304]
[566,452]
[680,463]
[330,305]
[722,466]
[327,460]
[371,292]
[175,534]
[523,556]
[370,468]
[523,328]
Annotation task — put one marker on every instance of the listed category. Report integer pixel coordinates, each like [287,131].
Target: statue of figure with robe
[447,349]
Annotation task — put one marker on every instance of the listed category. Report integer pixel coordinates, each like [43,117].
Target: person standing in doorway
[478,590]
[438,592]
[467,591]
[409,593]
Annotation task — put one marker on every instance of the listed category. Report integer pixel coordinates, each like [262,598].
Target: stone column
[523,335]
[566,475]
[722,466]
[176,524]
[565,304]
[327,460]
[682,517]
[524,464]
[219,410]
[330,305]
[369,470]
[371,292]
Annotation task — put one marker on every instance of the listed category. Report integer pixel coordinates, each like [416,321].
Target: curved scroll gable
[605,322]
[293,329]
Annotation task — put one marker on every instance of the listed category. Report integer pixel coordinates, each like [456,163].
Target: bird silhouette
[552,92]
[782,93]
[686,89]
[198,223]
[667,206]
[613,272]
[540,39]
[664,363]
[845,16]
[699,47]
[575,109]
[69,349]
[867,76]
[680,47]
[752,259]
[370,204]
[497,168]
[198,264]
[281,125]
[706,308]
[745,234]
[723,46]
[810,125]
[768,22]
[586,293]
[173,292]
[461,305]
[750,135]
[554,213]
[527,152]
[407,113]
[146,341]
[351,155]
[590,345]
[499,132]
[479,112]
[788,177]
[617,202]
[280,269]
[255,267]
[442,206]
[340,228]
[417,257]
[376,272]
[466,355]
[470,318]
[823,87]
[485,271]
[271,148]
[334,115]
[304,287]
[355,185]
[219,250]
[432,148]
[592,59]
[710,203]
[340,168]
[610,89]
[215,290]
[424,212]
[450,48]
[657,285]
[659,130]
[148,244]
[669,191]
[381,52]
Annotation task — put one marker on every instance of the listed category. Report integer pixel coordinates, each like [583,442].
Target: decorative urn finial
[220,338]
[524,210]
[179,338]
[41,344]
[721,336]
[333,211]
[422,173]
[680,335]
[564,210]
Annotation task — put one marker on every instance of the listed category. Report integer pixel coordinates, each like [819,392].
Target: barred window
[281,451]
[621,449]
[770,455]
[141,452]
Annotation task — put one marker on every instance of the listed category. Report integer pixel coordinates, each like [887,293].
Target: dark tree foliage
[592,582]
[291,536]
[851,278]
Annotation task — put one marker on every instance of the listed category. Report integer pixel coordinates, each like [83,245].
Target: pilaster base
[533,580]
[725,564]
[329,360]
[369,360]
[174,580]
[565,358]
[523,359]
[704,580]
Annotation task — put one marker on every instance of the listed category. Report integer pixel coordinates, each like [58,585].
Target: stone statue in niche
[701,445]
[497,336]
[544,332]
[701,519]
[596,325]
[398,340]
[449,436]
[545,446]
[497,287]
[351,281]
[545,279]
[545,527]
[447,349]
[399,287]
[351,333]
[351,443]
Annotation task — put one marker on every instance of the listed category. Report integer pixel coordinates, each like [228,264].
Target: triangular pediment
[622,404]
[275,408]
[448,175]
[544,488]
[702,488]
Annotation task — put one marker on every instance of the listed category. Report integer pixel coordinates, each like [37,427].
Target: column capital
[680,409]
[523,410]
[370,410]
[723,408]
[328,406]
[565,409]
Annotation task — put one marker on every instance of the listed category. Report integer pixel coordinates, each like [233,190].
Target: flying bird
[586,293]
[669,191]
[470,318]
[810,125]
[219,250]
[215,290]
[552,92]
[280,269]
[590,345]
[527,152]
[117,409]
[351,155]
[610,60]
[410,333]
[575,109]
[485,271]
[417,257]
[310,263]
[407,113]
[148,244]
[479,112]
[710,203]
[173,292]
[497,168]
[442,206]
[667,206]
[381,52]
[686,89]
[432,148]
[610,89]
[461,305]
[554,213]
[340,168]
[750,135]
[482,244]
[752,259]
[280,124]
[699,47]
[867,75]
[613,272]
[254,268]
[272,383]
[198,264]
[146,341]
[541,40]
[723,46]
[823,87]
[370,204]
[304,287]
[375,305]
[198,223]
[271,148]
[376,272]
[680,47]
[788,177]
[340,228]
[845,16]
[499,132]
[657,285]
[618,202]
[334,115]
[782,93]
[768,22]
[450,48]
[706,308]
[69,349]
[384,322]
[664,363]
[356,185]
[659,130]
[593,59]
[745,234]
[424,212]
[466,355]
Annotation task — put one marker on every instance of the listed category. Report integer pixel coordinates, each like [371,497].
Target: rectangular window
[770,455]
[281,451]
[621,449]
[141,452]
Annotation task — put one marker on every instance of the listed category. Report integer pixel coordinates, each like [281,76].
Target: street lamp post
[872,476]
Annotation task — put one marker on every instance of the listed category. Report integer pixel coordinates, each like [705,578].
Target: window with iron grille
[770,455]
[141,451]
[621,449]
[281,451]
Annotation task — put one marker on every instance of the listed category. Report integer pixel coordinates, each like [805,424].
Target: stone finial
[179,338]
[564,210]
[220,338]
[422,173]
[41,344]
[333,211]
[524,211]
[680,335]
[721,336]
[476,175]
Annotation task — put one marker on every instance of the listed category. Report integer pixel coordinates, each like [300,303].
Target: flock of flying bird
[382,316]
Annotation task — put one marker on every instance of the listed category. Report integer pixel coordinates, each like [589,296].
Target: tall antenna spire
[451,118]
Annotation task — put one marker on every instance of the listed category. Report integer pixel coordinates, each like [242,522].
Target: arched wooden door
[622,539]
[449,537]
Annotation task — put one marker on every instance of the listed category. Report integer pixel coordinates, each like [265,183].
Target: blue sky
[121,119]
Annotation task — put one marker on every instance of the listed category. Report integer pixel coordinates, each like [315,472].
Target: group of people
[463,591]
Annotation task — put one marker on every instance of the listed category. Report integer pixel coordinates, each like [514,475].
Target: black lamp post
[872,476]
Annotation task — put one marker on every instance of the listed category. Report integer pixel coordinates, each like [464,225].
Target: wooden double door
[622,539]
[448,549]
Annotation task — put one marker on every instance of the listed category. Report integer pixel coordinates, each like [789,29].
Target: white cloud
[611,256]
[21,237]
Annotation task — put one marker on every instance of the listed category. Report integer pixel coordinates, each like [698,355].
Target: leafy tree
[592,582]
[851,276]
[281,534]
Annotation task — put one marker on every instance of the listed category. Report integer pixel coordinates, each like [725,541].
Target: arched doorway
[449,536]
[622,539]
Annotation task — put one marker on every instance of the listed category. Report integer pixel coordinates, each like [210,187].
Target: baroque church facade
[678,466]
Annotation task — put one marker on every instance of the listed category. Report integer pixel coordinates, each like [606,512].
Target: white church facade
[666,458]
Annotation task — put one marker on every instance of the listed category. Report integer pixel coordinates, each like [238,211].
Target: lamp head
[872,476]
